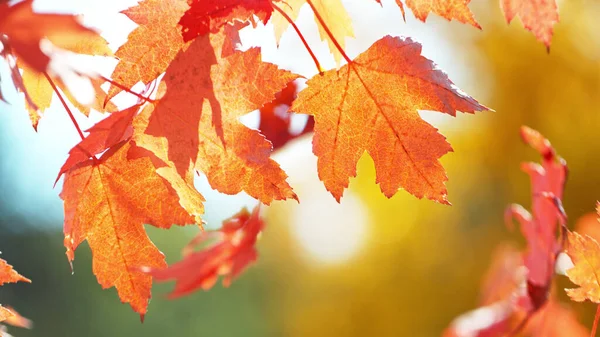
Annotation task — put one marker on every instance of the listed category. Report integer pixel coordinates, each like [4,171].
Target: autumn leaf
[4,315]
[9,275]
[206,16]
[25,32]
[229,252]
[516,291]
[372,105]
[537,16]
[332,11]
[448,9]
[150,47]
[17,320]
[196,124]
[275,119]
[547,186]
[584,251]
[107,201]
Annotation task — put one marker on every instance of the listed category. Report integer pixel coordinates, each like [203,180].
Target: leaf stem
[64,103]
[124,88]
[328,31]
[595,326]
[287,17]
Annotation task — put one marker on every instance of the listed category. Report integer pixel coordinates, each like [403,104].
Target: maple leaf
[332,11]
[448,9]
[547,186]
[584,251]
[229,256]
[9,275]
[25,29]
[372,105]
[195,124]
[4,315]
[152,45]
[107,201]
[24,33]
[537,16]
[275,120]
[518,288]
[204,16]
[17,320]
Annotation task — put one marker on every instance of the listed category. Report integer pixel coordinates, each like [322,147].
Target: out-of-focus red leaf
[226,252]
[17,320]
[275,118]
[518,288]
[540,229]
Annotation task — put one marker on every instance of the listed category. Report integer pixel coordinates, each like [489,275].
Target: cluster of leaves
[136,166]
[7,314]
[517,294]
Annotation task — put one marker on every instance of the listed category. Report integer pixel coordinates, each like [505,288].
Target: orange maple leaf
[584,251]
[206,16]
[372,105]
[448,9]
[8,275]
[107,201]
[538,16]
[229,256]
[195,124]
[152,45]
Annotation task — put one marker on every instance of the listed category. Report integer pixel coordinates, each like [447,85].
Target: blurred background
[369,266]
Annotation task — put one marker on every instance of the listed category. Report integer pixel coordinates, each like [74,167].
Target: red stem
[287,17]
[64,103]
[595,322]
[329,33]
[124,88]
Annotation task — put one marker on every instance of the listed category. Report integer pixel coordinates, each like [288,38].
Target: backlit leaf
[372,105]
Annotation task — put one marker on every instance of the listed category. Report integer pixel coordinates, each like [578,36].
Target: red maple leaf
[225,252]
[276,120]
